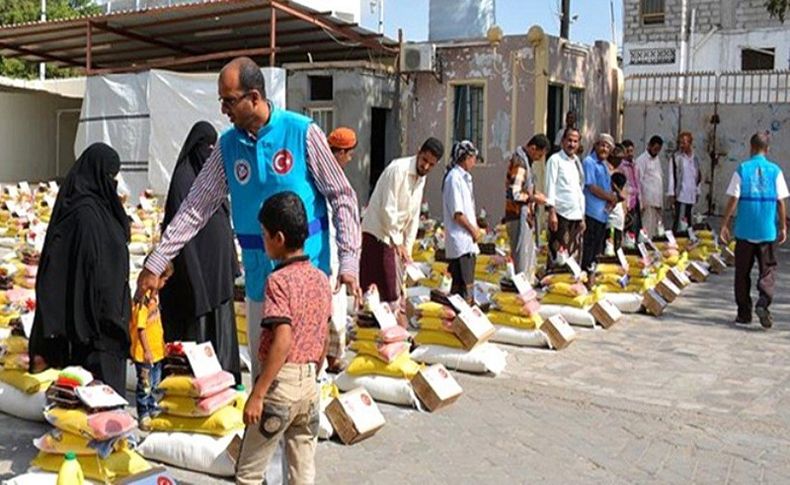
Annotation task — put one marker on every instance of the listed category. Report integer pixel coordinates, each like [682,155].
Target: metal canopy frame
[195,37]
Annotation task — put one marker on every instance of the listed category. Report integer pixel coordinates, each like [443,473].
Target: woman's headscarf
[193,155]
[82,288]
[92,181]
[461,150]
[206,267]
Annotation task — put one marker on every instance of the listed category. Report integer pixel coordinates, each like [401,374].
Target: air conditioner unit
[418,58]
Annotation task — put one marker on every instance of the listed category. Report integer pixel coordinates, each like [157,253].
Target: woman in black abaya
[82,289]
[197,301]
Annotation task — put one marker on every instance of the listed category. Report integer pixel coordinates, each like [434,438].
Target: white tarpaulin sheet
[146,118]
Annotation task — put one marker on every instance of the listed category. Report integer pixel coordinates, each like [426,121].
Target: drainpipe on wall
[683,46]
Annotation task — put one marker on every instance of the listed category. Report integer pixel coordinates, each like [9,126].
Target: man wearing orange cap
[342,141]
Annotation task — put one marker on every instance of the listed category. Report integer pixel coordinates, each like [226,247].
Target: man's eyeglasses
[230,102]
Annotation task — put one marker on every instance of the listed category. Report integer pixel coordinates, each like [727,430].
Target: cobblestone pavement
[685,398]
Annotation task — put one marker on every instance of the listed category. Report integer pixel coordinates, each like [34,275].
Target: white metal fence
[708,87]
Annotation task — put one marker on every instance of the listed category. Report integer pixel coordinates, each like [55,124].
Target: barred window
[653,12]
[468,114]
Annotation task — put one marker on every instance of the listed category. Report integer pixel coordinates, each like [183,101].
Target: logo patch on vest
[283,161]
[242,171]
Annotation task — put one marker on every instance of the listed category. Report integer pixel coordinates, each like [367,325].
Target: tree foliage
[19,11]
[778,8]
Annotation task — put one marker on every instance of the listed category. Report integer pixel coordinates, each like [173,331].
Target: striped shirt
[210,190]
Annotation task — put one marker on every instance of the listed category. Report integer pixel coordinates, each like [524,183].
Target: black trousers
[594,241]
[462,270]
[633,220]
[745,255]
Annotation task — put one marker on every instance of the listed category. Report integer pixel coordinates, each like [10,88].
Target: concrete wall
[732,24]
[28,134]
[355,93]
[731,142]
[515,107]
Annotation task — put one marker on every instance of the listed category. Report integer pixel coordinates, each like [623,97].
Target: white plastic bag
[574,316]
[37,477]
[485,358]
[192,451]
[520,337]
[22,405]
[391,390]
[131,376]
[626,302]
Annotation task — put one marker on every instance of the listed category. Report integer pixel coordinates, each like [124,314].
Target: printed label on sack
[202,359]
[671,238]
[643,250]
[574,267]
[24,187]
[414,272]
[621,257]
[102,396]
[522,284]
[146,204]
[384,316]
[27,323]
[442,383]
[692,235]
[12,191]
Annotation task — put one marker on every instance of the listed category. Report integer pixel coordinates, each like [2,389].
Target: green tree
[18,11]
[778,8]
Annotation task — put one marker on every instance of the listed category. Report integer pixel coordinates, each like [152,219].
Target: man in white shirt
[651,185]
[564,183]
[390,225]
[570,122]
[461,230]
[684,181]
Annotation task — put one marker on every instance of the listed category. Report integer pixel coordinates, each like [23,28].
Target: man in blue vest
[268,150]
[757,189]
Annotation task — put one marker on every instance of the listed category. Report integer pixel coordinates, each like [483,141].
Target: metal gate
[721,111]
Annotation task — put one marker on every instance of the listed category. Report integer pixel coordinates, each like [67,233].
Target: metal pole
[273,37]
[614,29]
[381,16]
[565,20]
[42,67]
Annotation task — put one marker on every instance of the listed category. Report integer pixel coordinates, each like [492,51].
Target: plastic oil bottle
[70,472]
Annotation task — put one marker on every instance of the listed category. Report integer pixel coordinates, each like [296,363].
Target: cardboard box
[653,303]
[717,264]
[558,331]
[354,416]
[678,278]
[472,327]
[668,291]
[728,256]
[697,272]
[605,313]
[435,387]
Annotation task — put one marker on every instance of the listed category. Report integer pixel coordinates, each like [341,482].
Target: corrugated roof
[194,36]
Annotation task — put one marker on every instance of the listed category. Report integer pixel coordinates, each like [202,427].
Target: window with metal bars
[653,12]
[469,114]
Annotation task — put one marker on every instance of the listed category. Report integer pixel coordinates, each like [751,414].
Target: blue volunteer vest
[756,219]
[256,170]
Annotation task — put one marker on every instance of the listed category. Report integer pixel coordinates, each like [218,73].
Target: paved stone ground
[685,398]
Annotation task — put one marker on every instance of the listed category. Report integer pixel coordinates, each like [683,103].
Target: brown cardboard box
[697,272]
[605,313]
[668,291]
[558,331]
[472,327]
[435,387]
[354,416]
[717,264]
[728,255]
[653,303]
[678,278]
